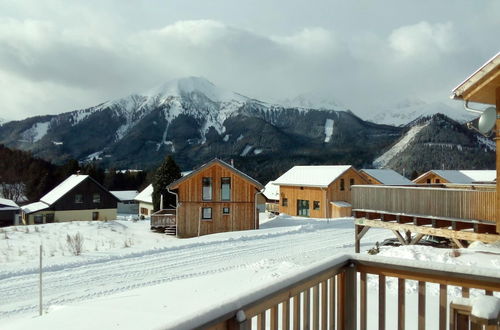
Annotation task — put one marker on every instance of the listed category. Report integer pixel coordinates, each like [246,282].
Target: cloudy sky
[57,56]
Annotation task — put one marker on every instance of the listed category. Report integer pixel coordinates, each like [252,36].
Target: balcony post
[497,141]
[350,293]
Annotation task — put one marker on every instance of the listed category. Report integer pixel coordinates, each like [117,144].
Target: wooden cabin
[216,198]
[322,191]
[384,176]
[78,198]
[456,177]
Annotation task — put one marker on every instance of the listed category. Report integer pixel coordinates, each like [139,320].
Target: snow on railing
[325,296]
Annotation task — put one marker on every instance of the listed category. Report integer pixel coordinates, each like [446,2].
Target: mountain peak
[188,85]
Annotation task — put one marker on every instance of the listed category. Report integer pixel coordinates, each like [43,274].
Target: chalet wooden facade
[318,191]
[216,198]
[78,198]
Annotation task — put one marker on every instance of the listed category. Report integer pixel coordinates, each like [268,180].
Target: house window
[49,218]
[428,180]
[351,183]
[144,211]
[225,210]
[207,189]
[284,202]
[438,181]
[206,213]
[315,205]
[342,188]
[37,219]
[79,198]
[225,189]
[96,198]
[95,215]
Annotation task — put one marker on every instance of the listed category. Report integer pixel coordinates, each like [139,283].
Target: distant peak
[187,85]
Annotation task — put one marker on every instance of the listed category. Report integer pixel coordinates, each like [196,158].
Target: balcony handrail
[240,310]
[416,187]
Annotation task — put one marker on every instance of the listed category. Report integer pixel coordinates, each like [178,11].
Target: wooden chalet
[78,198]
[457,177]
[322,191]
[214,198]
[463,212]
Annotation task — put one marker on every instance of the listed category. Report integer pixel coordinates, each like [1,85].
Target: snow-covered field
[129,277]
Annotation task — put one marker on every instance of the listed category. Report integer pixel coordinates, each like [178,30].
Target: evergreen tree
[167,173]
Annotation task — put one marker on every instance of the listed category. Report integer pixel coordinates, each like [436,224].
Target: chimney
[232,162]
[78,172]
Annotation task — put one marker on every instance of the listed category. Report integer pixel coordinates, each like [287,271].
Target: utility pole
[40,284]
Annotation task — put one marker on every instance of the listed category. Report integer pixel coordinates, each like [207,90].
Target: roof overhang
[481,85]
[300,185]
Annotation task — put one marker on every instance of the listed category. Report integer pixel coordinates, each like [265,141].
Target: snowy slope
[406,111]
[313,100]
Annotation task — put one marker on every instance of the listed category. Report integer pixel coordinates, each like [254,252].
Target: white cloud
[424,40]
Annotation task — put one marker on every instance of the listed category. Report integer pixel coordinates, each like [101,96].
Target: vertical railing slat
[306,309]
[421,305]
[401,303]
[362,301]
[296,312]
[340,300]
[315,313]
[331,305]
[285,315]
[261,321]
[381,302]
[274,317]
[324,305]
[443,305]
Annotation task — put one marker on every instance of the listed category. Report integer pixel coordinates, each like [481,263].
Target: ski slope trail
[296,245]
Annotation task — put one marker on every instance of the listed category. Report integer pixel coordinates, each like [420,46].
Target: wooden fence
[434,202]
[326,297]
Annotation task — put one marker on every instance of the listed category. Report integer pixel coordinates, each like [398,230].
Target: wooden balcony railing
[326,296]
[443,203]
[163,218]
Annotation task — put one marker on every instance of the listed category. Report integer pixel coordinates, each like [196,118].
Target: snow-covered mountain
[196,121]
[408,110]
[313,100]
[438,142]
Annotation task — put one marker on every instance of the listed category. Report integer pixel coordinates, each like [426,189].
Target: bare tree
[13,191]
[75,243]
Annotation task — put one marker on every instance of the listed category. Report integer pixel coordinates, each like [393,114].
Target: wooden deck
[327,297]
[461,215]
[164,220]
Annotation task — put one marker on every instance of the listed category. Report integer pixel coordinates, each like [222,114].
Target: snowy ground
[129,277]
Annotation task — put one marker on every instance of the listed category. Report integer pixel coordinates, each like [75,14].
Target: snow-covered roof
[464,176]
[8,202]
[34,207]
[387,176]
[272,191]
[125,195]
[146,195]
[341,204]
[311,176]
[63,188]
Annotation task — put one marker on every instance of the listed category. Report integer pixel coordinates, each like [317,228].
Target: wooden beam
[458,243]
[441,232]
[421,305]
[443,305]
[362,302]
[416,239]
[399,237]
[401,303]
[381,302]
[359,231]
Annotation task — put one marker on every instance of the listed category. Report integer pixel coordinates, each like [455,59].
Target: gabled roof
[387,176]
[63,188]
[34,207]
[125,195]
[481,85]
[175,184]
[146,195]
[463,176]
[272,191]
[312,176]
[8,202]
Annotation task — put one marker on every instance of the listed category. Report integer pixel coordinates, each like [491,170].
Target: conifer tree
[167,173]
